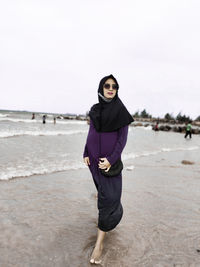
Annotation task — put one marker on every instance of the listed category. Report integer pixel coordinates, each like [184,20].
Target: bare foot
[96,254]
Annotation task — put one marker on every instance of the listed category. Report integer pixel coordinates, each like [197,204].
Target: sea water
[30,147]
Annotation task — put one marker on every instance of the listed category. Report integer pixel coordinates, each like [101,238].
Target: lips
[110,93]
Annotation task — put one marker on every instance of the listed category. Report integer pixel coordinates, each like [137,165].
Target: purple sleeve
[121,142]
[85,153]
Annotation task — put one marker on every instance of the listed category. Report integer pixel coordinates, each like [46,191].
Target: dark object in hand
[114,170]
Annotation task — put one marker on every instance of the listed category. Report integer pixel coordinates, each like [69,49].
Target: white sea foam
[18,120]
[148,128]
[130,168]
[71,122]
[3,115]
[5,134]
[17,172]
[25,170]
[179,149]
[167,149]
[128,156]
[5,118]
[193,148]
[143,154]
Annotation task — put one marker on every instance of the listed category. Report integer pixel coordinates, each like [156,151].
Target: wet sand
[50,220]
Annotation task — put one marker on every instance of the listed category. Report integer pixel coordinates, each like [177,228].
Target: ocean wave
[26,169]
[193,148]
[3,115]
[40,133]
[130,168]
[71,122]
[179,149]
[147,128]
[17,173]
[143,154]
[128,156]
[5,118]
[19,120]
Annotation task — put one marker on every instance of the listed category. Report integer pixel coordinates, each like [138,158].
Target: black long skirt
[109,198]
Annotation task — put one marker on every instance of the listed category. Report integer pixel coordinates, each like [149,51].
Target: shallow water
[51,219]
[28,147]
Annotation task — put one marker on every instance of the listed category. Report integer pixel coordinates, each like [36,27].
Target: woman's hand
[104,164]
[86,161]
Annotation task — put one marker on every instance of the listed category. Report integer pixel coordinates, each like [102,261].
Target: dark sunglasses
[107,86]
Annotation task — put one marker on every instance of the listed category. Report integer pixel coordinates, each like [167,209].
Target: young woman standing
[107,136]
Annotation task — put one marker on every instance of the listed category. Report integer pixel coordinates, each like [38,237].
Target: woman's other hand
[87,161]
[104,164]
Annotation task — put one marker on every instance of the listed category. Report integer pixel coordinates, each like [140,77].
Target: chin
[110,97]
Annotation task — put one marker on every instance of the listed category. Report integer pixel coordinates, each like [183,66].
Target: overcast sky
[54,53]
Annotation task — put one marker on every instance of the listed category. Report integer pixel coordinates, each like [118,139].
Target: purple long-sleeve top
[112,144]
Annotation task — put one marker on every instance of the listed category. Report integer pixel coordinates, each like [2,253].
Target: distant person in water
[33,116]
[54,120]
[188,130]
[156,127]
[44,119]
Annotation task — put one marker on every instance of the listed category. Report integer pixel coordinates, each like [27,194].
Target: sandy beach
[50,220]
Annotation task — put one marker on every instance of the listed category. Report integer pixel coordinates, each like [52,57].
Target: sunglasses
[107,86]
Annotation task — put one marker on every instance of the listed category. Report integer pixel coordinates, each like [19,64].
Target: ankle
[99,245]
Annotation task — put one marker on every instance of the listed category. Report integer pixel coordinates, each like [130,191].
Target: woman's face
[110,88]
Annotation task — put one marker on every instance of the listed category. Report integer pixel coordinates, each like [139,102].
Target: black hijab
[109,116]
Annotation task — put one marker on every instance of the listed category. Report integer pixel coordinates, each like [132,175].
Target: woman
[109,120]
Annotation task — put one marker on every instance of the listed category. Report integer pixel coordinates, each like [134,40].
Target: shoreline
[127,159]
[50,220]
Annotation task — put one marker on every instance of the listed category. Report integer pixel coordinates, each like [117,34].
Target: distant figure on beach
[188,130]
[33,116]
[44,119]
[107,136]
[156,126]
[54,120]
